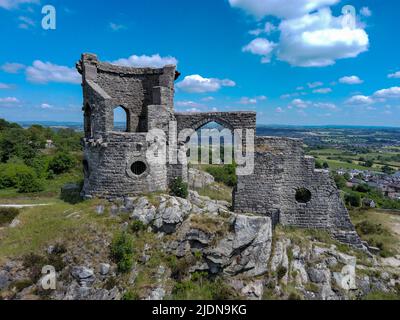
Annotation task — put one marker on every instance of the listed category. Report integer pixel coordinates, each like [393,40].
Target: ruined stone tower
[284,185]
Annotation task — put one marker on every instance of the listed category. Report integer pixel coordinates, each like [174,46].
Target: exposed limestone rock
[199,179]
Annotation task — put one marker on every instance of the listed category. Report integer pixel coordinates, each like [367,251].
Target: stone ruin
[284,185]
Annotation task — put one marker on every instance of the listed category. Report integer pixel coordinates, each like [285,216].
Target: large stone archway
[229,120]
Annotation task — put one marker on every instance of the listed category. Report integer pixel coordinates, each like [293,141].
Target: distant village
[388,184]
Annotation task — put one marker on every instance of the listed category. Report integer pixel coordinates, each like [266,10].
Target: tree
[325,165]
[353,199]
[62,162]
[388,170]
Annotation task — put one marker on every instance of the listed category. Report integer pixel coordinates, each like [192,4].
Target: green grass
[224,192]
[374,226]
[42,226]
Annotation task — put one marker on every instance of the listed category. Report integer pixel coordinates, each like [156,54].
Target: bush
[225,174]
[368,228]
[28,182]
[7,215]
[137,226]
[122,252]
[62,162]
[353,199]
[71,193]
[179,189]
[9,172]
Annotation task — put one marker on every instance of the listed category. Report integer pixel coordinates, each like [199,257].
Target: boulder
[199,179]
[144,211]
[83,275]
[104,269]
[346,279]
[4,280]
[254,290]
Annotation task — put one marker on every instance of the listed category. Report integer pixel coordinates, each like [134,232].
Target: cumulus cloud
[267,29]
[395,75]
[45,72]
[116,27]
[12,67]
[255,100]
[197,84]
[366,12]
[25,22]
[144,61]
[323,90]
[13,4]
[325,105]
[299,103]
[279,110]
[312,85]
[351,80]
[46,106]
[389,93]
[9,102]
[288,9]
[310,36]
[360,100]
[262,47]
[319,39]
[4,86]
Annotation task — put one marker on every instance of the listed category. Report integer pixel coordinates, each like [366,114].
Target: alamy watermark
[49,21]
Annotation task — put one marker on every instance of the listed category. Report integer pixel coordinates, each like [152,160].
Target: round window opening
[138,168]
[303,195]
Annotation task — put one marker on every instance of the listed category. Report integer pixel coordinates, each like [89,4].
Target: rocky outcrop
[199,179]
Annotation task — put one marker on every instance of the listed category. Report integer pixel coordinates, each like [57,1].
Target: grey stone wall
[281,169]
[109,163]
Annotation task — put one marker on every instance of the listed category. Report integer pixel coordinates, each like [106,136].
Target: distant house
[49,144]
[369,203]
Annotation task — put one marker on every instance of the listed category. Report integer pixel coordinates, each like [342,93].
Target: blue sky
[293,61]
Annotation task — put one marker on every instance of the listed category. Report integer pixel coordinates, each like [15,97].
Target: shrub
[28,182]
[122,252]
[137,226]
[9,174]
[353,199]
[368,228]
[7,215]
[225,174]
[179,189]
[130,295]
[281,272]
[62,162]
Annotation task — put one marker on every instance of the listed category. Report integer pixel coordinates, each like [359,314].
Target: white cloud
[299,103]
[197,84]
[262,47]
[13,4]
[116,27]
[255,100]
[45,72]
[186,104]
[279,110]
[389,93]
[395,75]
[323,90]
[325,105]
[366,12]
[360,100]
[12,67]
[351,80]
[4,86]
[319,39]
[26,22]
[208,99]
[143,61]
[46,106]
[288,9]
[267,29]
[9,100]
[313,85]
